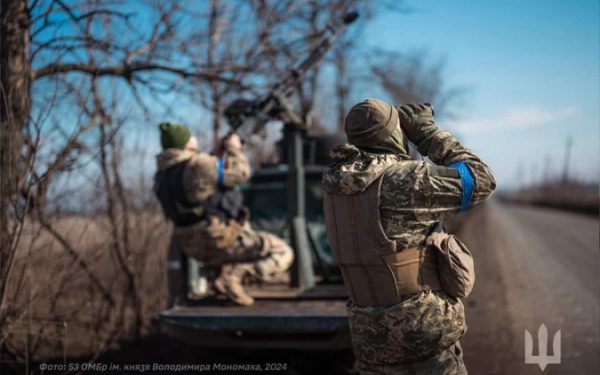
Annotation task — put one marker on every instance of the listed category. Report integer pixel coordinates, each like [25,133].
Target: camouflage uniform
[419,335]
[216,242]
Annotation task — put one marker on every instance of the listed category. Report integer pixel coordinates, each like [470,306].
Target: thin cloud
[515,118]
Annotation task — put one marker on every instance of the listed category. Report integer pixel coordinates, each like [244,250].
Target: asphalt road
[533,266]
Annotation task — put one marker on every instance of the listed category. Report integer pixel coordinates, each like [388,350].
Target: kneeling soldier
[199,193]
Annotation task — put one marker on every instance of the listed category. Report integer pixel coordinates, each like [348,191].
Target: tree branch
[127,70]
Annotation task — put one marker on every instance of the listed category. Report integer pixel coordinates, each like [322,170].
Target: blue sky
[532,69]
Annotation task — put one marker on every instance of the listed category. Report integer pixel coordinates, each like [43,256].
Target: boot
[229,283]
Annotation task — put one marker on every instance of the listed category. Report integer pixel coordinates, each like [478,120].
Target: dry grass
[57,311]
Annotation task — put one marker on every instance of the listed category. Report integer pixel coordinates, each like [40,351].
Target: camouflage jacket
[415,195]
[201,174]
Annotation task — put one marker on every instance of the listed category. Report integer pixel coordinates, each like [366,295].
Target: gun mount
[247,117]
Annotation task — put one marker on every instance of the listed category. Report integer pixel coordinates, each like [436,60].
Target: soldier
[199,192]
[383,209]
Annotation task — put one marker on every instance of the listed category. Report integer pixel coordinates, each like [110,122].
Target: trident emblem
[542,359]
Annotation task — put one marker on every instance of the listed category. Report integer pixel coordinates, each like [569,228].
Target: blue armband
[220,172]
[467,182]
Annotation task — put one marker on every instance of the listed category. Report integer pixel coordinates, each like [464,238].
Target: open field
[58,310]
[572,196]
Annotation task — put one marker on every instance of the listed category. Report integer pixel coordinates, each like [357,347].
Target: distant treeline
[571,196]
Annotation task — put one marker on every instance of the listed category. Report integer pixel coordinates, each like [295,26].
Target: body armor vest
[225,203]
[374,272]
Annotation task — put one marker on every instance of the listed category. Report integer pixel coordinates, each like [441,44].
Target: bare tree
[410,78]
[14,111]
[65,56]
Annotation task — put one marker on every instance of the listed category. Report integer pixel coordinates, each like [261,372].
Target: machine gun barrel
[334,30]
[249,116]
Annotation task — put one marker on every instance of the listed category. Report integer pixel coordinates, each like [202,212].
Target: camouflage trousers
[261,254]
[448,362]
[416,336]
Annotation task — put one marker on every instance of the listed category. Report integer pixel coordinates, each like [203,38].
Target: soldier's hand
[413,118]
[233,141]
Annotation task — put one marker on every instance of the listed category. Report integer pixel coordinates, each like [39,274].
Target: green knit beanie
[174,135]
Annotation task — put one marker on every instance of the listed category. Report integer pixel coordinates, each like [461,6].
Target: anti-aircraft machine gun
[247,117]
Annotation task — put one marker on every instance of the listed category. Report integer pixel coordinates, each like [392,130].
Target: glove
[416,120]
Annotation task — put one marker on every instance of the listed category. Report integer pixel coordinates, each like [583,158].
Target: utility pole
[534,174]
[565,176]
[546,169]
[521,176]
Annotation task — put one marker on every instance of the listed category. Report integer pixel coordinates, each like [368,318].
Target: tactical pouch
[455,263]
